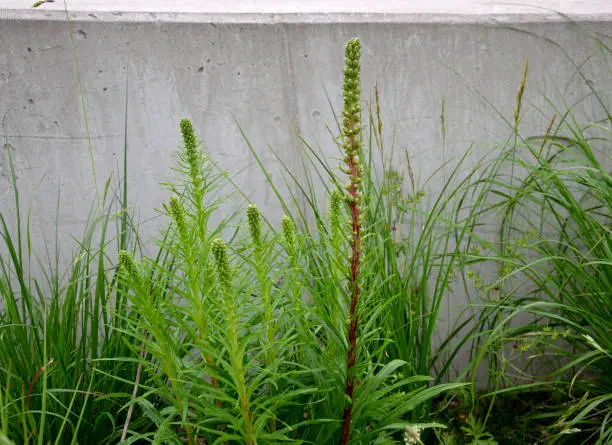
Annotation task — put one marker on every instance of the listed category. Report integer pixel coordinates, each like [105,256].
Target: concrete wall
[268,64]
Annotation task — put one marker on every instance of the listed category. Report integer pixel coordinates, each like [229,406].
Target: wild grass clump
[557,238]
[546,326]
[61,336]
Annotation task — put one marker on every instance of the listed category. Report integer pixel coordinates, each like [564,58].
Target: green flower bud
[222,266]
[335,207]
[191,147]
[289,231]
[254,220]
[127,265]
[178,215]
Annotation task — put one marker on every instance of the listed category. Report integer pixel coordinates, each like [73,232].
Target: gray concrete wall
[268,64]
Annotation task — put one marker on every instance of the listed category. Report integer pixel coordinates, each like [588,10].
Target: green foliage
[247,340]
[325,329]
[548,323]
[473,432]
[476,433]
[64,359]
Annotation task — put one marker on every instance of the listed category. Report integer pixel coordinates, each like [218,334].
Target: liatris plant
[236,348]
[388,333]
[351,135]
[267,338]
[219,335]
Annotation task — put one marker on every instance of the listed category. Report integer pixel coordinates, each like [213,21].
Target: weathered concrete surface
[267,64]
[300,11]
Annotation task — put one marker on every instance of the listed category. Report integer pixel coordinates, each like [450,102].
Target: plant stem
[236,350]
[352,147]
[354,317]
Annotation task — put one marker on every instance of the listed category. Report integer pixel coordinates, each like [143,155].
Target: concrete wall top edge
[324,6]
[312,11]
[302,18]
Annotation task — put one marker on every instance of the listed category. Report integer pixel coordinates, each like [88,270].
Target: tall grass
[546,324]
[57,333]
[556,228]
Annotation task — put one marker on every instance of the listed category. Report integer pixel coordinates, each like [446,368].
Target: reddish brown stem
[354,171]
[33,382]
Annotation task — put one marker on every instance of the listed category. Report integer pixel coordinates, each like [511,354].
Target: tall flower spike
[351,139]
[254,220]
[351,89]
